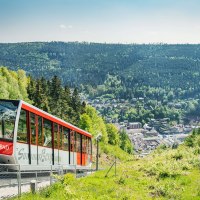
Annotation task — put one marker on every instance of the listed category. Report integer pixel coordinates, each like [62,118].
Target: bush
[68,179]
[189,141]
[121,181]
[197,151]
[177,156]
[47,192]
[162,146]
[164,174]
[175,145]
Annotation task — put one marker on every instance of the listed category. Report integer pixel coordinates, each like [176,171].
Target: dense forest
[161,65]
[158,80]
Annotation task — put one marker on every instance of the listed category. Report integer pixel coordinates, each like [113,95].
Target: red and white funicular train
[35,139]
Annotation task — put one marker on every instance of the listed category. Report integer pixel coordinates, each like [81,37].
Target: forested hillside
[161,65]
[158,80]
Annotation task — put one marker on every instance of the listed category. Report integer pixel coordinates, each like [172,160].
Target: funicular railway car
[36,140]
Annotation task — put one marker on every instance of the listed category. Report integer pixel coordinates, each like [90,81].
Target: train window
[40,135]
[73,141]
[8,111]
[87,147]
[56,134]
[83,144]
[61,138]
[33,128]
[47,127]
[22,127]
[90,146]
[78,142]
[65,141]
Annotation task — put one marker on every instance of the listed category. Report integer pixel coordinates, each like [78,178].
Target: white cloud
[62,26]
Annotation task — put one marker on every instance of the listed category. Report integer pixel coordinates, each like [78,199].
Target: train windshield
[8,112]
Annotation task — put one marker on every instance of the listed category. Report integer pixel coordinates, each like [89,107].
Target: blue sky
[110,21]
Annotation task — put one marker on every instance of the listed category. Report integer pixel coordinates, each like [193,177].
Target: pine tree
[37,96]
[76,105]
[65,103]
[55,91]
[31,89]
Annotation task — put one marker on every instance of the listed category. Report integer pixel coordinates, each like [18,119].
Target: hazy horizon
[87,42]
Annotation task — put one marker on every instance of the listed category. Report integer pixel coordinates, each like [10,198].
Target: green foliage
[114,151]
[68,179]
[178,155]
[113,134]
[49,190]
[125,142]
[86,123]
[13,85]
[194,139]
[93,122]
[189,141]
[162,146]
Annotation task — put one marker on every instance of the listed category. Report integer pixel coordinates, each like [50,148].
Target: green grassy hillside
[165,174]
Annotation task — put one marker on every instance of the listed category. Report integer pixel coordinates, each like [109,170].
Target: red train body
[35,139]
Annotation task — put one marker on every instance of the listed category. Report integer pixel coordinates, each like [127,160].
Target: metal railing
[14,180]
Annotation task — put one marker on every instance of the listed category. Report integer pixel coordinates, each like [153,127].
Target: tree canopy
[13,85]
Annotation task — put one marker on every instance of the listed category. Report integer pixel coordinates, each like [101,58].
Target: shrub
[164,174]
[162,146]
[175,145]
[177,156]
[189,141]
[197,151]
[68,179]
[47,192]
[121,181]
